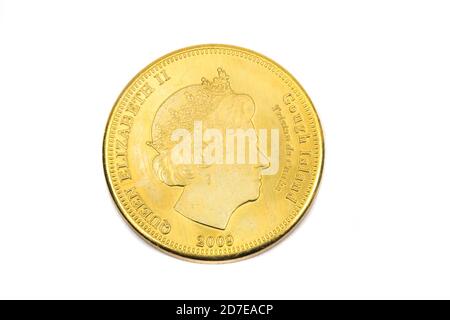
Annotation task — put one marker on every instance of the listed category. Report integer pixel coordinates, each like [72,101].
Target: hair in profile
[180,110]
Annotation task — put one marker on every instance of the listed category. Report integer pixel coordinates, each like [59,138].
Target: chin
[255,195]
[252,190]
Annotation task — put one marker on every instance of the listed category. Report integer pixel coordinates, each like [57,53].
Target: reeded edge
[242,255]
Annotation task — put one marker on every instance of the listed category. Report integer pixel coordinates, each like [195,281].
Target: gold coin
[213,152]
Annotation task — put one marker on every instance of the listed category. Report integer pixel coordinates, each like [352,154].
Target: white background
[378,73]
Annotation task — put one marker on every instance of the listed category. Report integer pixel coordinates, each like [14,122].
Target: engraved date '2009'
[218,241]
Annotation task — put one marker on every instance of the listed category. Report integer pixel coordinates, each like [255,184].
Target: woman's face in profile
[239,182]
[213,188]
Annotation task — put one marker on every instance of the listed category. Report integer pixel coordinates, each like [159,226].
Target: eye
[245,105]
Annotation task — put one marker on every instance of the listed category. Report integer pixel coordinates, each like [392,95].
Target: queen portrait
[212,190]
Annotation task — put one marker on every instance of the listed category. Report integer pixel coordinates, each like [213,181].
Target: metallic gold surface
[215,211]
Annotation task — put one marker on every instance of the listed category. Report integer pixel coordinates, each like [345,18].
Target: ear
[203,172]
[186,171]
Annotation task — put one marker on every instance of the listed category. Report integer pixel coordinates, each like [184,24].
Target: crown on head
[219,85]
[198,105]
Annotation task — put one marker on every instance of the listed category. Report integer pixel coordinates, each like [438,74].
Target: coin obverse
[213,153]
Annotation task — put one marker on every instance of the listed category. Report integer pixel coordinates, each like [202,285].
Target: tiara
[219,85]
[199,104]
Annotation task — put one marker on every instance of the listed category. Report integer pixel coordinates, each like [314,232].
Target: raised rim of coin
[213,259]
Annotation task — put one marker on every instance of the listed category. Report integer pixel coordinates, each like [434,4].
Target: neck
[202,204]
